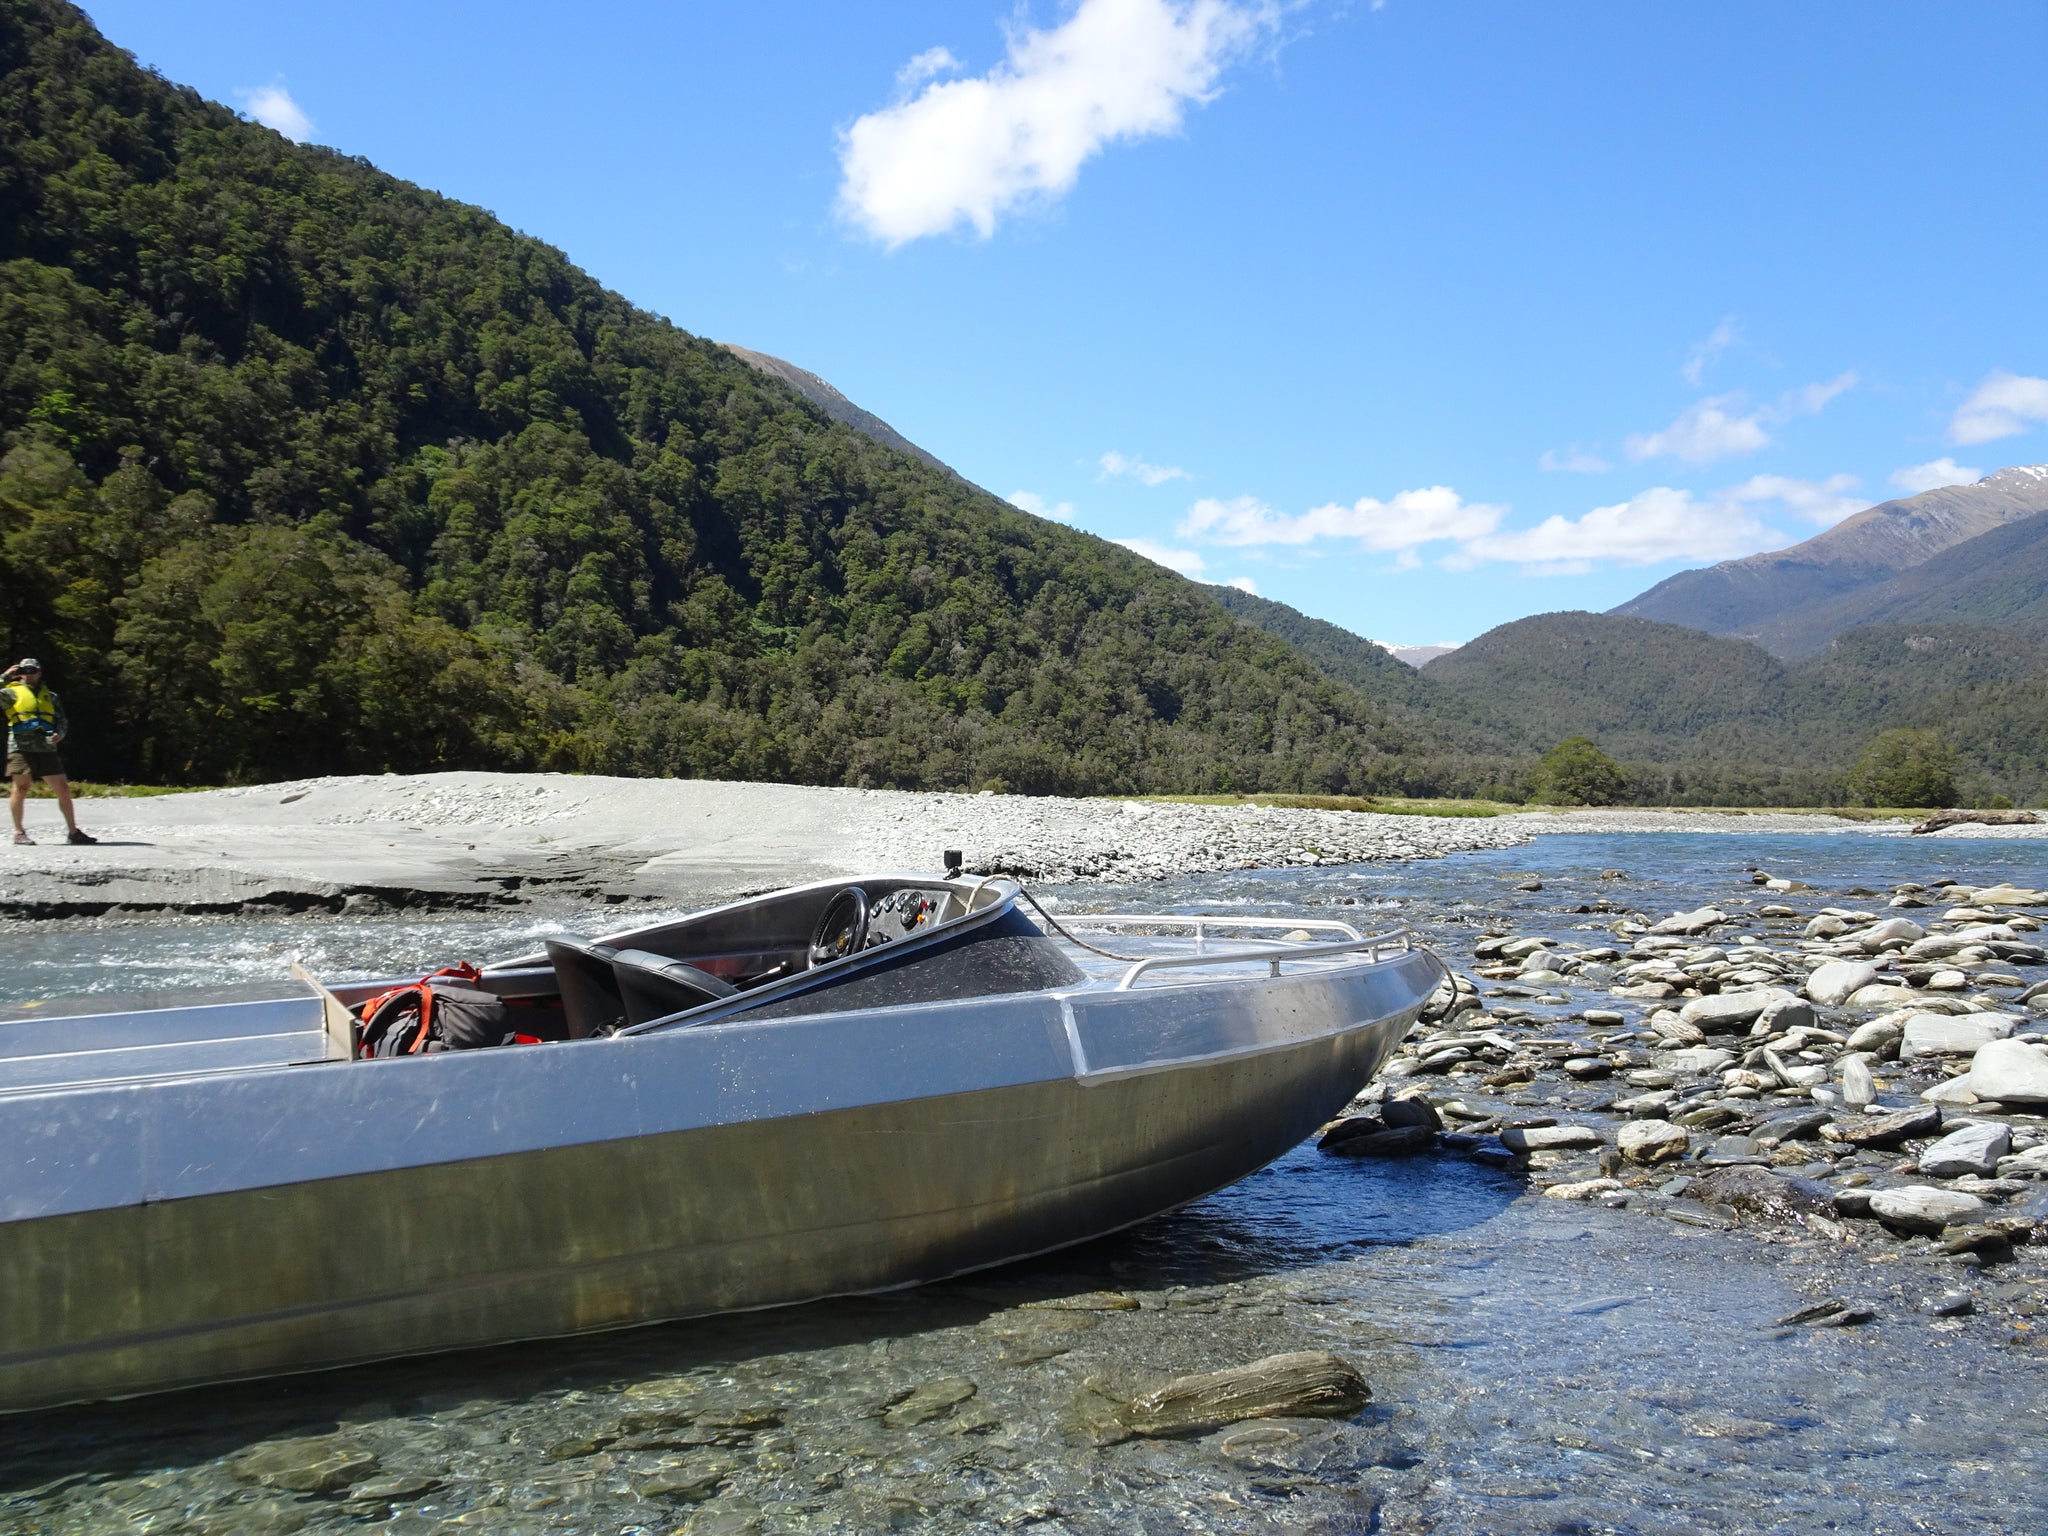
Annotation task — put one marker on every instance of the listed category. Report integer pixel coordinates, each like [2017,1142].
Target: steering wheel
[842,928]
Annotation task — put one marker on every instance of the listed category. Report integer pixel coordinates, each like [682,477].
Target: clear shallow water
[1536,1366]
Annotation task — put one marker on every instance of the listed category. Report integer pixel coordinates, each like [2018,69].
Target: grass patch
[1337,803]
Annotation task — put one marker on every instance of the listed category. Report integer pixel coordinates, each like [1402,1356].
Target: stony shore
[479,840]
[1864,1079]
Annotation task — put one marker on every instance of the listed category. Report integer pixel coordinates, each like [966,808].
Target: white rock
[1697,921]
[1892,930]
[2030,1164]
[2009,1072]
[1699,1061]
[1652,1141]
[1876,1037]
[1955,1091]
[1542,1138]
[1947,981]
[1935,1034]
[1833,983]
[2008,896]
[1882,997]
[1973,1149]
[1923,1208]
[1859,1087]
[1826,927]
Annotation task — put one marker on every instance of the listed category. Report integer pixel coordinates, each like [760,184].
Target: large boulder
[1883,995]
[1697,921]
[1831,984]
[1894,930]
[1723,1013]
[1881,1131]
[1653,1141]
[1695,1061]
[1937,1034]
[1973,1149]
[2009,1072]
[1923,1208]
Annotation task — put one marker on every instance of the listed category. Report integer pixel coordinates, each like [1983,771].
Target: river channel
[1536,1365]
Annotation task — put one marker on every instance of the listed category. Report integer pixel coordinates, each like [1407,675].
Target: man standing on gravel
[35,724]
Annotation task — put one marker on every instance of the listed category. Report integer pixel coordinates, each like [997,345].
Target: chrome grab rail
[1401,941]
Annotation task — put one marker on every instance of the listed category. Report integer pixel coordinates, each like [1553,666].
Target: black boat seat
[591,1001]
[654,986]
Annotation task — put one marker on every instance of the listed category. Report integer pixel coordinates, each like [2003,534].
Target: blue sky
[1418,316]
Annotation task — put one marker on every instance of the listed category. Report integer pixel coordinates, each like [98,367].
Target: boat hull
[729,1204]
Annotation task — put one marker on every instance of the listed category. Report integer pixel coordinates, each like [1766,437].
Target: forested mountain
[1776,598]
[1707,719]
[310,470]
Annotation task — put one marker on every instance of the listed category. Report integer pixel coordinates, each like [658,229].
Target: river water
[1536,1365]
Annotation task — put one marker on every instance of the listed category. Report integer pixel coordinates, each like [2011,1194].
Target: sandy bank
[484,839]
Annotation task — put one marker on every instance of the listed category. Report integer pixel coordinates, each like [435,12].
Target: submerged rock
[319,1464]
[1305,1384]
[1885,1130]
[1747,1187]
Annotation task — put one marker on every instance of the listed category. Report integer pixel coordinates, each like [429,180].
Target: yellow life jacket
[32,711]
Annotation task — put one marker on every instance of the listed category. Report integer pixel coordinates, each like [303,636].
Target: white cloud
[1812,398]
[1719,340]
[1573,462]
[1114,463]
[968,151]
[1825,502]
[1654,525]
[1933,475]
[1038,506]
[1243,584]
[1408,519]
[273,107]
[925,66]
[1187,561]
[2002,405]
[1719,427]
[1704,431]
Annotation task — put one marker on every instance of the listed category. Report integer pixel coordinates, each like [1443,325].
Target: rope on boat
[1060,929]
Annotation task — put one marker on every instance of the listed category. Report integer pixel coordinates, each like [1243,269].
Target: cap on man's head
[29,664]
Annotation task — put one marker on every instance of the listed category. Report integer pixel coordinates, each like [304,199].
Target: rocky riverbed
[1873,1075]
[1718,1339]
[556,843]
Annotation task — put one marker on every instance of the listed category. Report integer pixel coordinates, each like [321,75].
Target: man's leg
[17,797]
[60,785]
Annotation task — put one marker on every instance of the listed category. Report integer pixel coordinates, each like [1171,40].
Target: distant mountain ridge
[1997,578]
[1771,597]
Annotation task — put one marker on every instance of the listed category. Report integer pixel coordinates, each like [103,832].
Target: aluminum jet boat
[843,1087]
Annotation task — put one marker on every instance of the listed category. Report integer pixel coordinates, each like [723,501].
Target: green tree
[1576,772]
[1914,768]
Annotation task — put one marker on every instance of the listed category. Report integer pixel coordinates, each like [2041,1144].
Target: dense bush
[1906,768]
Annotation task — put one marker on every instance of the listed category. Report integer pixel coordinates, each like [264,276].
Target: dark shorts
[42,764]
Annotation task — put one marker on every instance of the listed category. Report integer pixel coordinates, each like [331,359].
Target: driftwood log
[1958,818]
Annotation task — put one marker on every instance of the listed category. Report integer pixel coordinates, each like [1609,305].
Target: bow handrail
[1400,941]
